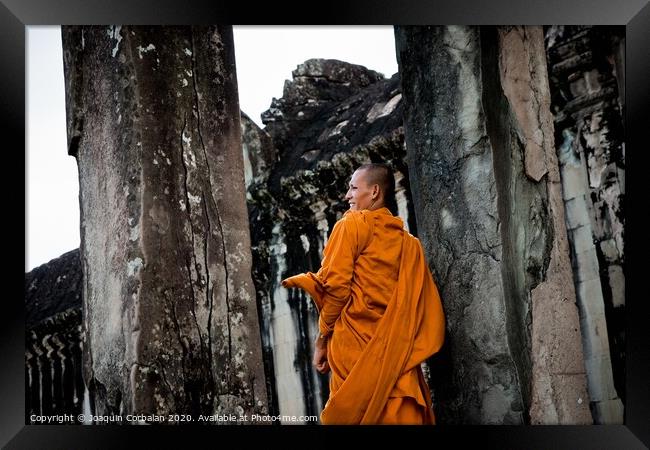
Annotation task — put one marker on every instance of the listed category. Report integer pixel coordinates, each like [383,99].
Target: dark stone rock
[53,288]
[53,380]
[316,84]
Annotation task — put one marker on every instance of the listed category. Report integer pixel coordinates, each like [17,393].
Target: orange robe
[376,297]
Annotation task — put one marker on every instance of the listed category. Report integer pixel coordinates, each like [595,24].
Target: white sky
[265,57]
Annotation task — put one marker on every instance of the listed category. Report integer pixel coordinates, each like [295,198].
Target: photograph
[315,225]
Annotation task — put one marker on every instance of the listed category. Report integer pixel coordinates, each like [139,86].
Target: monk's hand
[289,282]
[320,355]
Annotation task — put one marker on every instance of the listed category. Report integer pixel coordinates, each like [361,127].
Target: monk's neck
[376,206]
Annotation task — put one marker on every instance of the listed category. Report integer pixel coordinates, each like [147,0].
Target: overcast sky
[265,57]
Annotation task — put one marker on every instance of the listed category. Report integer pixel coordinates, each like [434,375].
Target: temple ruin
[509,157]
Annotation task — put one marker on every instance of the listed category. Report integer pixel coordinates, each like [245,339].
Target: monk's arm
[336,271]
[320,355]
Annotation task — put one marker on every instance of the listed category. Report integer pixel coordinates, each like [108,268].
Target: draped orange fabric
[378,301]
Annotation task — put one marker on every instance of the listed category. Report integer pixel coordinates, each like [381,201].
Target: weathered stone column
[489,212]
[559,379]
[170,318]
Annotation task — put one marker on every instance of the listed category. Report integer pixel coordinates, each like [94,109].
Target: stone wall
[587,76]
[53,363]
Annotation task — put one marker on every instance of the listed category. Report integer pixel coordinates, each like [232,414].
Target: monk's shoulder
[353,216]
[413,238]
[417,246]
[362,218]
[357,221]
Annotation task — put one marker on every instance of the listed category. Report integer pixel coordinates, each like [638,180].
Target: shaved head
[372,186]
[382,175]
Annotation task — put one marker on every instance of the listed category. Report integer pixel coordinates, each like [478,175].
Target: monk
[380,314]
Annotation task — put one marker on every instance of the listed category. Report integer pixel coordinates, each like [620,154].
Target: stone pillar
[170,318]
[489,213]
[559,380]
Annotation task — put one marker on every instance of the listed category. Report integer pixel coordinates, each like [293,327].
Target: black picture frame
[15,15]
